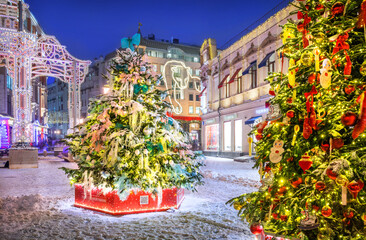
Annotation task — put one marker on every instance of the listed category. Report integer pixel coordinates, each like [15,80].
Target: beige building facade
[235,90]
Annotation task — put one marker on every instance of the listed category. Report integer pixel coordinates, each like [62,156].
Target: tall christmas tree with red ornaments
[312,152]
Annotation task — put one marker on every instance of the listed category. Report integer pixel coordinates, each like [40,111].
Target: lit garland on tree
[311,153]
[127,141]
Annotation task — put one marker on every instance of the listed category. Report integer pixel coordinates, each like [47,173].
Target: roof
[160,44]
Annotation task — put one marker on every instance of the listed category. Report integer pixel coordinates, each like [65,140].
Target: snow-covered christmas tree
[128,142]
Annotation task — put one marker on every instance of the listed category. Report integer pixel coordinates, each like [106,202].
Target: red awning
[202,92]
[232,79]
[223,80]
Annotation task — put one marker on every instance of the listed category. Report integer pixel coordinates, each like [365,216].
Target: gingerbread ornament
[276,151]
[325,74]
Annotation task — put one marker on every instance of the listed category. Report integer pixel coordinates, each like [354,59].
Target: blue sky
[90,28]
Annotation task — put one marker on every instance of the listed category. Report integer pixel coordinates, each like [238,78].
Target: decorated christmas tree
[312,148]
[127,142]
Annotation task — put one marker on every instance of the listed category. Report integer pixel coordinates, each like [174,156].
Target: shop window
[238,135]
[190,109]
[212,137]
[253,76]
[190,97]
[227,136]
[227,90]
[190,85]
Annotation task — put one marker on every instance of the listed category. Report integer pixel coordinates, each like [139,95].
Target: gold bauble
[237,206]
[307,58]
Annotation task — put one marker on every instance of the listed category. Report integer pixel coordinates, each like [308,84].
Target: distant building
[234,95]
[180,66]
[58,113]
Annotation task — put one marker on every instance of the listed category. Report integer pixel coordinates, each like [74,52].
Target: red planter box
[135,203]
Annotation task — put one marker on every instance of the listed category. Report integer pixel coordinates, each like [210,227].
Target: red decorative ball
[348,214]
[272,93]
[338,143]
[256,228]
[337,9]
[349,119]
[290,114]
[326,211]
[275,216]
[301,26]
[305,162]
[259,137]
[284,218]
[316,208]
[320,8]
[320,186]
[349,89]
[332,175]
[289,100]
[311,78]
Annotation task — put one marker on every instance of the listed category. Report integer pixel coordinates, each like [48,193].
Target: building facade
[179,65]
[234,87]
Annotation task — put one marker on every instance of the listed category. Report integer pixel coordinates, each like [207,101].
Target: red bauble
[272,93]
[349,119]
[320,8]
[290,114]
[337,9]
[259,137]
[275,216]
[326,211]
[355,187]
[332,175]
[311,78]
[325,147]
[256,228]
[348,214]
[289,100]
[349,89]
[282,190]
[305,162]
[320,186]
[267,168]
[296,183]
[338,143]
[284,218]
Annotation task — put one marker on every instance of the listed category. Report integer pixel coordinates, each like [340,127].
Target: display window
[227,136]
[238,135]
[212,137]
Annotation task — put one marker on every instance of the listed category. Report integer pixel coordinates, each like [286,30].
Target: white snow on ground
[38,204]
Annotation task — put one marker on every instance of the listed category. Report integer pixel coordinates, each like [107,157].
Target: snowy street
[38,204]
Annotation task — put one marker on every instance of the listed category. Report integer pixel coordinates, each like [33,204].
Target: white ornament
[276,151]
[147,131]
[146,151]
[325,75]
[137,152]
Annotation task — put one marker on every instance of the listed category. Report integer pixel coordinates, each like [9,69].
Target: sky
[93,28]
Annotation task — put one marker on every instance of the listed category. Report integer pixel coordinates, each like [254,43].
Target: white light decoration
[105,90]
[179,83]
[28,56]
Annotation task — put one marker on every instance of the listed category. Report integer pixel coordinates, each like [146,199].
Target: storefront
[40,135]
[226,135]
[5,132]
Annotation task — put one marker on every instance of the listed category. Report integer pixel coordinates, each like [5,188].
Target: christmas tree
[127,141]
[312,148]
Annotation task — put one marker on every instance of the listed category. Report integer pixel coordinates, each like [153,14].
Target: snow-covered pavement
[38,204]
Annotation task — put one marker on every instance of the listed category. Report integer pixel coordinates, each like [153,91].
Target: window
[190,109]
[191,71]
[197,72]
[190,85]
[9,82]
[191,98]
[161,68]
[155,67]
[271,63]
[253,73]
[177,96]
[198,109]
[212,137]
[195,59]
[238,135]
[161,82]
[227,90]
[227,136]
[197,98]
[239,84]
[9,105]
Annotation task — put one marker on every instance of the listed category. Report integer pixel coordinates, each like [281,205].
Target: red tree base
[135,203]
